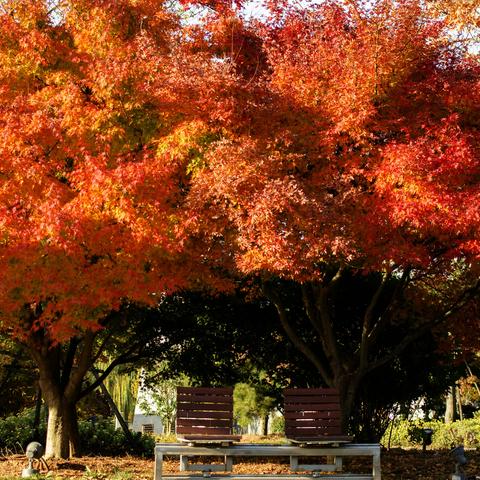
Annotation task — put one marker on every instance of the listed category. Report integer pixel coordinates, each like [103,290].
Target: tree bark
[62,431]
[450,406]
[265,424]
[61,372]
[62,428]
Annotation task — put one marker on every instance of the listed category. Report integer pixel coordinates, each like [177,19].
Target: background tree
[18,379]
[250,404]
[357,156]
[231,339]
[160,397]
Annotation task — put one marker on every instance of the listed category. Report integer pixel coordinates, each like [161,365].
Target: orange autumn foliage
[94,97]
[362,147]
[136,149]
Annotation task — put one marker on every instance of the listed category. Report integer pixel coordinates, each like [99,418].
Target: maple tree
[97,100]
[357,153]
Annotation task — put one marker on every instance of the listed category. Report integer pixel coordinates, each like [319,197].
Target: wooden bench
[203,436]
[205,417]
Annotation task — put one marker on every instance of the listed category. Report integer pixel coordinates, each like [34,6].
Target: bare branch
[292,335]
[466,296]
[329,341]
[367,320]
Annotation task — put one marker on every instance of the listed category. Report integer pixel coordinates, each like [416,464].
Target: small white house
[142,421]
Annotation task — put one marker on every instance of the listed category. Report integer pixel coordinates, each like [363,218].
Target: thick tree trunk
[62,431]
[347,386]
[62,369]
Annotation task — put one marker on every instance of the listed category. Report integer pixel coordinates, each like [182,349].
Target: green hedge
[408,433]
[17,431]
[96,438]
[101,438]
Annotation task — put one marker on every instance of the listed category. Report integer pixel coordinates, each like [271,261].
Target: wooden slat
[201,406]
[320,423]
[196,422]
[322,439]
[312,407]
[309,391]
[204,399]
[208,390]
[312,433]
[312,426]
[299,415]
[312,399]
[202,414]
[218,438]
[204,430]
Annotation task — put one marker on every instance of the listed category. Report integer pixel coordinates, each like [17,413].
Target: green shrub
[408,433]
[278,425]
[101,438]
[397,434]
[16,431]
[96,438]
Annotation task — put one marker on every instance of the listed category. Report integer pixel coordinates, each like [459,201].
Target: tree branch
[309,303]
[84,362]
[298,342]
[329,341]
[466,296]
[382,321]
[101,348]
[126,357]
[367,321]
[68,364]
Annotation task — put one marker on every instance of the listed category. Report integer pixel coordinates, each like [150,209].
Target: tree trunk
[62,369]
[38,411]
[265,424]
[62,430]
[62,426]
[459,403]
[450,406]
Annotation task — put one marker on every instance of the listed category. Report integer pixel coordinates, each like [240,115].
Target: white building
[143,421]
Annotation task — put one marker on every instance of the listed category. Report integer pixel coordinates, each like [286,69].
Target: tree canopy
[140,153]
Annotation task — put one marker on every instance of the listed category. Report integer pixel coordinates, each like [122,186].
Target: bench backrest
[204,411]
[312,414]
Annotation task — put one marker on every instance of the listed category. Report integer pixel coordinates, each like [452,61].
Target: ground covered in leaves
[396,465]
